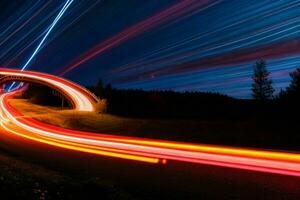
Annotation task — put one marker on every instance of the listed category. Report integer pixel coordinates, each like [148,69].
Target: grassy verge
[252,133]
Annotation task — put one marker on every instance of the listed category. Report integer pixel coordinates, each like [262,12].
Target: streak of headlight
[139,149]
[154,151]
[58,17]
[72,90]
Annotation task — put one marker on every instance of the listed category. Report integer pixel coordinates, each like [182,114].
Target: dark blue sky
[194,45]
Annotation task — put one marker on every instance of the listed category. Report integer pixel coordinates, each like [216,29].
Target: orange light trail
[138,149]
[80,97]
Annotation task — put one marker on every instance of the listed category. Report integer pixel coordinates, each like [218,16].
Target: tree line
[200,105]
[206,105]
[262,88]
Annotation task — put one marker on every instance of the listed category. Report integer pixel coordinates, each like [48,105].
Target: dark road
[175,180]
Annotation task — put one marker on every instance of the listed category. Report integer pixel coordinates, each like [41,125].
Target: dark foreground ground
[29,170]
[34,171]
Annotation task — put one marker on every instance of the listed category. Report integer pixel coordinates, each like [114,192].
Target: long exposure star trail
[49,29]
[183,45]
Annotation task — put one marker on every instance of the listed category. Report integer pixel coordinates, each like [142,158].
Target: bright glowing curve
[80,98]
[139,149]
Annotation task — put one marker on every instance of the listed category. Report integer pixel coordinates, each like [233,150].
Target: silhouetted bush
[289,99]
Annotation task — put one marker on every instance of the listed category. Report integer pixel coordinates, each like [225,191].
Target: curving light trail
[80,98]
[139,149]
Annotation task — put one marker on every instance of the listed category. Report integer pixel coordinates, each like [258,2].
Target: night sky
[188,45]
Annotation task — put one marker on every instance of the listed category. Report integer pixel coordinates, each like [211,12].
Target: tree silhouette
[262,87]
[99,89]
[294,86]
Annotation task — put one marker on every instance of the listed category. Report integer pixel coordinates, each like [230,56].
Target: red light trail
[176,10]
[138,149]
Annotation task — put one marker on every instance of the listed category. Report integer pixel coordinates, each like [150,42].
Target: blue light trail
[50,28]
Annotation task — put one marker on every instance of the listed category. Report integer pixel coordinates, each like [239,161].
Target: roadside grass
[250,133]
